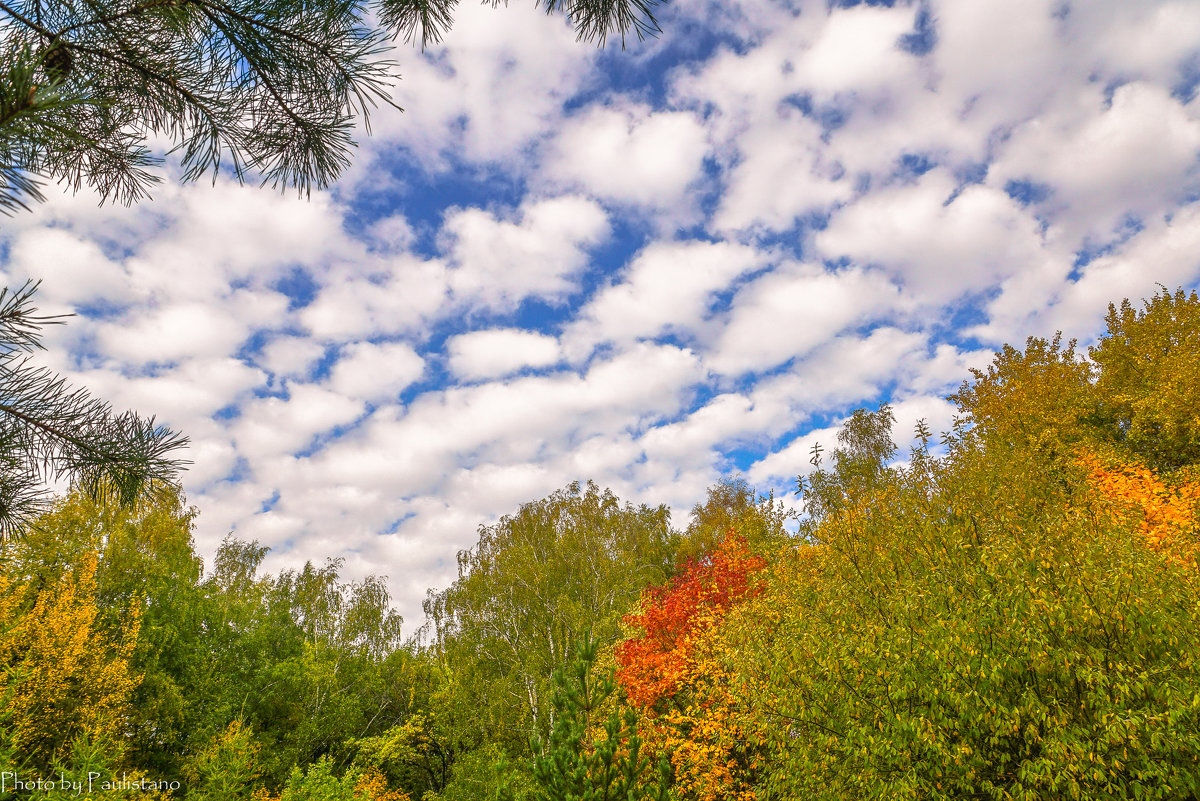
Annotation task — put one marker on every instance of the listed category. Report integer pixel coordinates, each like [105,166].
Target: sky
[649,267]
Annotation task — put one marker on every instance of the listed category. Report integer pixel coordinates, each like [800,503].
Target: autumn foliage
[1164,513]
[675,669]
[68,681]
[658,661]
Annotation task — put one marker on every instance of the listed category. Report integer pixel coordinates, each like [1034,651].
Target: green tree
[224,768]
[975,627]
[573,561]
[305,660]
[732,503]
[593,752]
[992,624]
[269,87]
[50,430]
[860,464]
[1148,385]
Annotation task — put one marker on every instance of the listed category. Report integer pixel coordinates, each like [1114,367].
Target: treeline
[1009,612]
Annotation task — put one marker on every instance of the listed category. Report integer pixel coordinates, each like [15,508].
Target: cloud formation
[647,268]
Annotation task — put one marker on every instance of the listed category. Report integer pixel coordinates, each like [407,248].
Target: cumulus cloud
[499,262]
[1104,159]
[938,240]
[283,425]
[289,356]
[668,287]
[397,297]
[81,272]
[629,154]
[499,352]
[557,265]
[792,310]
[375,372]
[499,82]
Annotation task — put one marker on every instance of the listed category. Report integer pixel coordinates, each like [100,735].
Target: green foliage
[970,630]
[304,660]
[318,783]
[437,742]
[575,560]
[266,87]
[732,503]
[312,662]
[224,769]
[486,774]
[1149,378]
[579,763]
[50,430]
[860,464]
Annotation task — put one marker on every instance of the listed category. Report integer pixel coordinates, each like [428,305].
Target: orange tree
[1164,512]
[675,670]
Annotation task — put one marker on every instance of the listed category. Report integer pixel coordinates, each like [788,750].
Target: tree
[51,430]
[733,502]
[67,677]
[590,757]
[572,561]
[1014,620]
[292,667]
[1149,378]
[678,672]
[1041,395]
[253,86]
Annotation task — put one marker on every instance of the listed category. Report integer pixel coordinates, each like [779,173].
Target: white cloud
[856,51]
[668,287]
[782,173]
[1147,40]
[273,426]
[497,82]
[187,329]
[410,451]
[792,310]
[395,297]
[629,154]
[1136,156]
[290,356]
[540,253]
[375,372]
[940,244]
[999,63]
[499,352]
[77,269]
[1166,252]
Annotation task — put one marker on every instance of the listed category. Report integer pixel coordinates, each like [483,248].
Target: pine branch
[50,430]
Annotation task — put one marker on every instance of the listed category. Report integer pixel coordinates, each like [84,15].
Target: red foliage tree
[652,666]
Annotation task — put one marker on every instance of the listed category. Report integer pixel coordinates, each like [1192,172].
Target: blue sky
[648,267]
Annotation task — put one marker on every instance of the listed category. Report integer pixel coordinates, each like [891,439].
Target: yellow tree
[1148,382]
[68,680]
